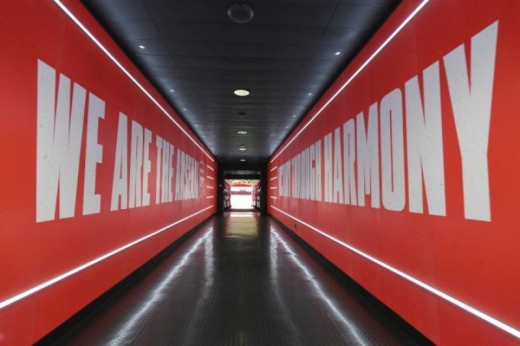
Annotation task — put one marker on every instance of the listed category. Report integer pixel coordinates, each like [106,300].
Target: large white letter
[312,172]
[317,164]
[392,151]
[424,143]
[293,178]
[179,176]
[349,158]
[169,175]
[147,166]
[328,167]
[280,175]
[338,167]
[306,173]
[368,157]
[59,136]
[136,165]
[93,155]
[120,181]
[158,174]
[471,101]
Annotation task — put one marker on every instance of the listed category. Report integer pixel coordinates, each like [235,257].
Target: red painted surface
[457,243]
[38,38]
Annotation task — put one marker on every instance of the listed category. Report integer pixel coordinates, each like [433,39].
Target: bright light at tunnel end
[355,74]
[468,308]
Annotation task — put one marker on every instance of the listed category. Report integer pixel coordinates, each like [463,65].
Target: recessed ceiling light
[142,47]
[172,91]
[240,13]
[310,94]
[242,148]
[242,160]
[241,92]
[196,125]
[337,53]
[294,116]
[184,109]
[242,132]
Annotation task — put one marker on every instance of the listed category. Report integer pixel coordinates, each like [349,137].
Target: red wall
[436,235]
[76,181]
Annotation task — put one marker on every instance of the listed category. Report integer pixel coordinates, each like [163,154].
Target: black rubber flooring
[240,280]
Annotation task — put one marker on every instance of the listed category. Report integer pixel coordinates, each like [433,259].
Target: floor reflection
[240,280]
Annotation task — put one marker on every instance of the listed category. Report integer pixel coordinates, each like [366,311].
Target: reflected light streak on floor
[155,297]
[350,328]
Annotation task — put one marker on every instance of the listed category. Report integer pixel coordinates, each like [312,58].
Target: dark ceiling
[286,56]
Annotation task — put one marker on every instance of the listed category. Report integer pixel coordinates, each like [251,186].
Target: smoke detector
[240,13]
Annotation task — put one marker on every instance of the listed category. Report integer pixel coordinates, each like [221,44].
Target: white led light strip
[499,324]
[355,74]
[128,74]
[84,266]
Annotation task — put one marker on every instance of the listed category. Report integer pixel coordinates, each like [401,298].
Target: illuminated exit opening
[242,194]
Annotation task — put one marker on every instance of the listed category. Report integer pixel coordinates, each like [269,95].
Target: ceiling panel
[239,50]
[137,29]
[226,32]
[287,56]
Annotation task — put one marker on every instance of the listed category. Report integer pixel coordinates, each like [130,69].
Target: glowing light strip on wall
[468,308]
[275,167]
[273,178]
[356,73]
[128,74]
[84,266]
[210,168]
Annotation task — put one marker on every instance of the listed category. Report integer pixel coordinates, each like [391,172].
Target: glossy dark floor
[239,280]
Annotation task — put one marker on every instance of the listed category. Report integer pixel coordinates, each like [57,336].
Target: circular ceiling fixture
[240,13]
[242,148]
[241,92]
[242,160]
[242,132]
